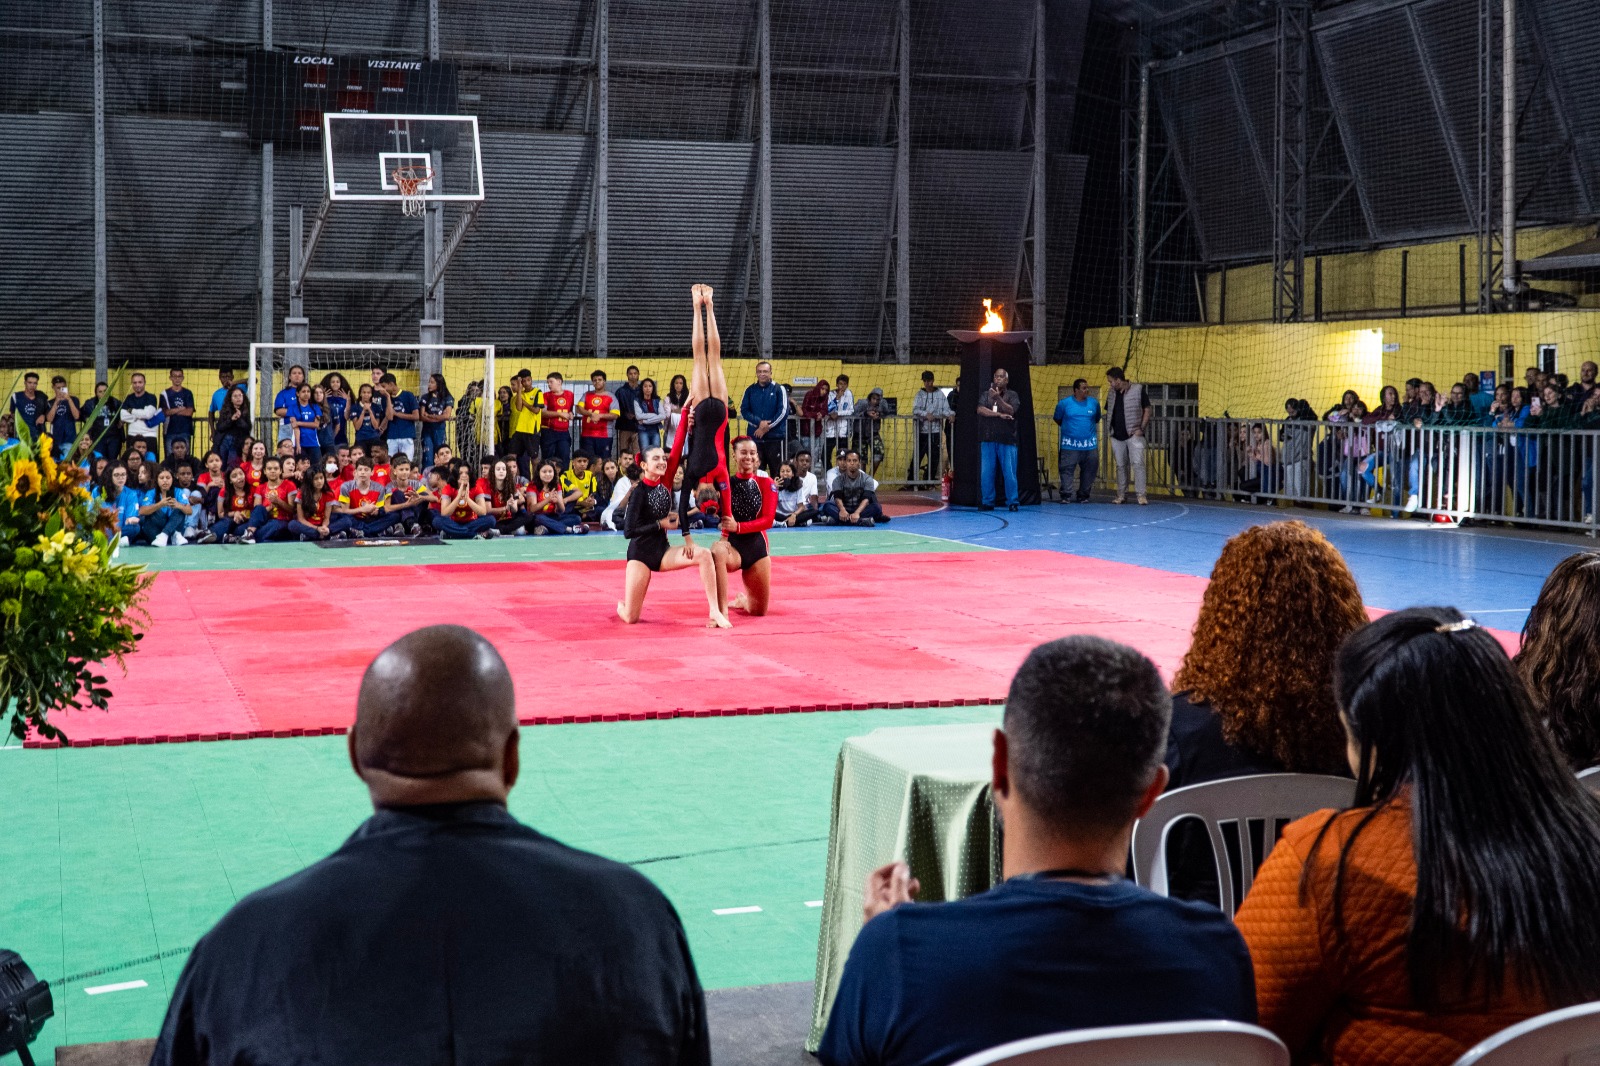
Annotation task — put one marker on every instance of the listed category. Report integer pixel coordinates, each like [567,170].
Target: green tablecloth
[918,793]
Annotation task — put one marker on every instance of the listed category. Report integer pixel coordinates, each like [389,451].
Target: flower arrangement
[66,605]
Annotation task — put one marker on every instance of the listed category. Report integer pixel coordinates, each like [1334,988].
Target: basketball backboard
[361,153]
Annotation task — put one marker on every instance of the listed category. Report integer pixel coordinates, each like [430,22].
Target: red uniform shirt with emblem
[355,496]
[461,512]
[318,512]
[279,501]
[558,411]
[598,401]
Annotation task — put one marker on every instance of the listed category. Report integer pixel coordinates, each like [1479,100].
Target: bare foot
[740,602]
[718,621]
[705,293]
[622,613]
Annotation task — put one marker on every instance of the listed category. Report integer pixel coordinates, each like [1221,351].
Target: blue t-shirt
[31,410]
[218,397]
[400,429]
[1078,420]
[178,425]
[434,403]
[365,430]
[338,414]
[285,399]
[310,412]
[934,982]
[64,428]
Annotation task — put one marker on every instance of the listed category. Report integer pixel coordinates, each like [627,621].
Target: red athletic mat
[233,654]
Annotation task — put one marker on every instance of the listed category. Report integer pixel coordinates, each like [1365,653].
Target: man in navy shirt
[444,930]
[765,407]
[178,403]
[1063,942]
[28,406]
[1078,416]
[64,415]
[403,418]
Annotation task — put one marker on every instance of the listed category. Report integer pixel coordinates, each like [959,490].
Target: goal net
[467,369]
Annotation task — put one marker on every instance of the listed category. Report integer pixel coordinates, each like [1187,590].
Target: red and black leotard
[648,503]
[706,457]
[755,505]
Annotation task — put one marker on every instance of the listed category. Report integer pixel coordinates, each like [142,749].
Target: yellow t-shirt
[572,483]
[526,421]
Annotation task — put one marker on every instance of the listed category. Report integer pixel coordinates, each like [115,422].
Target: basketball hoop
[413,182]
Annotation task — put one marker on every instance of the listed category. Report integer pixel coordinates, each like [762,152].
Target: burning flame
[992,323]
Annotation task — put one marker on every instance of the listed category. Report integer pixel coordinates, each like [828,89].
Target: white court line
[737,910]
[813,903]
[123,987]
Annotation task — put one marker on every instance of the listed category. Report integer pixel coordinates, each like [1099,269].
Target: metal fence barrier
[1531,477]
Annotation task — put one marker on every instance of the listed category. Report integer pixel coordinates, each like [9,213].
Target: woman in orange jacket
[1460,894]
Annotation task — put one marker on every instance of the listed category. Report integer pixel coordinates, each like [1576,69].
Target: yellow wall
[1249,369]
[1366,281]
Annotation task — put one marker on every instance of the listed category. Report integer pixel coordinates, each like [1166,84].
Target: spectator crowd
[1453,898]
[378,460]
[1399,454]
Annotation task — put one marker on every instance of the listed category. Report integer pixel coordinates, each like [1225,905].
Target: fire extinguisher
[944,487]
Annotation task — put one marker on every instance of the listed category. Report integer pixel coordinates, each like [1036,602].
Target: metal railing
[1532,477]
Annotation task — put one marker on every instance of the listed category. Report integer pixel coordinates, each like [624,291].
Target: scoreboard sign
[289,92]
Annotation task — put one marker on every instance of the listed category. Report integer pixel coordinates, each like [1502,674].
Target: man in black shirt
[442,931]
[1128,415]
[997,438]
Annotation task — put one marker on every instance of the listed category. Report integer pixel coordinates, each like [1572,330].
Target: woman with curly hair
[1255,691]
[1557,660]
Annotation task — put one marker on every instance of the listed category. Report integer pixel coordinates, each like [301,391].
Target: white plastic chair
[1271,800]
[1160,1044]
[1566,1037]
[1590,778]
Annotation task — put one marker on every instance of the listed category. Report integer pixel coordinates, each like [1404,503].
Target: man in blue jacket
[766,411]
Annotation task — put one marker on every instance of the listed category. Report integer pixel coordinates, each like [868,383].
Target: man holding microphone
[997,436]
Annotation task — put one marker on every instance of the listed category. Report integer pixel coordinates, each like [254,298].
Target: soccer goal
[468,371]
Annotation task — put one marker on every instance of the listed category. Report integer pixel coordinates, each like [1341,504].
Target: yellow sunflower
[42,452]
[24,480]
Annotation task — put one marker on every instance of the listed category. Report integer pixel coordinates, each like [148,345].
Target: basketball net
[413,200]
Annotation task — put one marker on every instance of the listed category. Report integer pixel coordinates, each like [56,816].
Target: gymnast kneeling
[649,518]
[744,531]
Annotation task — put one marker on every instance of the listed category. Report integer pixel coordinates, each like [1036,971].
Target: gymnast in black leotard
[649,515]
[705,451]
[744,531]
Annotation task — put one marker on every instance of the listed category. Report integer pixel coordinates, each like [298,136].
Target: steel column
[602,175]
[1508,148]
[1291,165]
[1041,149]
[267,248]
[902,194]
[764,178]
[102,349]
[1141,201]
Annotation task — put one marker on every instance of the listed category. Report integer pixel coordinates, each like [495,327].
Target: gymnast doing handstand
[706,429]
[649,514]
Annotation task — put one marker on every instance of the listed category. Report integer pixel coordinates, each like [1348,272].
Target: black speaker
[981,355]
[25,1004]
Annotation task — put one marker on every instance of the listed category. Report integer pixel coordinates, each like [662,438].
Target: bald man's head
[436,720]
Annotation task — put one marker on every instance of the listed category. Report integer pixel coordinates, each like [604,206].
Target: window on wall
[1175,400]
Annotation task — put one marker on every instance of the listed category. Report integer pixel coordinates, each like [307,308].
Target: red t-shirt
[357,497]
[253,478]
[348,473]
[318,513]
[548,499]
[597,402]
[381,474]
[279,501]
[236,502]
[461,513]
[558,411]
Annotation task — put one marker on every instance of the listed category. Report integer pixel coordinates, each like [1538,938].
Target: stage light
[25,1003]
